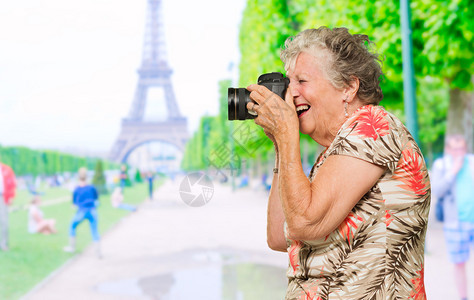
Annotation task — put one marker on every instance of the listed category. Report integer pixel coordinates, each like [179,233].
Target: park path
[168,250]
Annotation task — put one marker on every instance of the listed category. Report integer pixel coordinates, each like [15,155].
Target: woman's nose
[293,89]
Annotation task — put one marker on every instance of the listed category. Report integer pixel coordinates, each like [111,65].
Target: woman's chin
[305,129]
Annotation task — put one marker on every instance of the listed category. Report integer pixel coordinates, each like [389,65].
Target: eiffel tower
[154,76]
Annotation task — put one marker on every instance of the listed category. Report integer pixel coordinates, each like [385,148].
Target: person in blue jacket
[85,197]
[453,181]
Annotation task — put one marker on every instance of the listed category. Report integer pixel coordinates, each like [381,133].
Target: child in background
[117,200]
[85,197]
[36,221]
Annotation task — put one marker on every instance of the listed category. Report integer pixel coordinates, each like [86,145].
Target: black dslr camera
[238,98]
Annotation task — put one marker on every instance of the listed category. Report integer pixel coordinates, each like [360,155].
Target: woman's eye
[301,81]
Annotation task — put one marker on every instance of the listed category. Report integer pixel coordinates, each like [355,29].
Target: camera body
[239,97]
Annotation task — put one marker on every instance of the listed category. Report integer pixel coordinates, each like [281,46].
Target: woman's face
[319,105]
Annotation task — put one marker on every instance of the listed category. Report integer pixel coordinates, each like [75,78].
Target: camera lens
[237,104]
[231,95]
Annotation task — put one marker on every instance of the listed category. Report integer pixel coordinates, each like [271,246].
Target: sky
[68,68]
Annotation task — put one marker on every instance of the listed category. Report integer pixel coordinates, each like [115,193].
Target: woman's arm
[313,210]
[275,217]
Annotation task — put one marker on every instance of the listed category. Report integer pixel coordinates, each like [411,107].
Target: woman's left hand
[276,116]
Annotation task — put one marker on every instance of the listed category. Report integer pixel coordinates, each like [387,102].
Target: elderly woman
[356,228]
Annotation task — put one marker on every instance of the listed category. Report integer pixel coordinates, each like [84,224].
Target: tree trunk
[460,115]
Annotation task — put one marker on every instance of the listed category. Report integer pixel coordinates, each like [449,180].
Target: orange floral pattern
[388,218]
[411,173]
[293,252]
[419,286]
[377,252]
[372,123]
[348,226]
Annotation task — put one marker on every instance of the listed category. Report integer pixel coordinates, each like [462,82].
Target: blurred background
[143,84]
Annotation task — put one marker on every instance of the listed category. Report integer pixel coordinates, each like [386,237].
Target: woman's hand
[276,116]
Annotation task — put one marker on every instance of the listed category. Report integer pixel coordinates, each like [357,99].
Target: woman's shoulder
[376,113]
[371,134]
[371,122]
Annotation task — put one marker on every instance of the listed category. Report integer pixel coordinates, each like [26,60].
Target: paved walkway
[168,250]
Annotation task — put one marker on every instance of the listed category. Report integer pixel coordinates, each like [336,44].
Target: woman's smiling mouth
[301,109]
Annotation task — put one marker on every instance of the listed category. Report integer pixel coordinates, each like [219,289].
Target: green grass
[23,198]
[32,257]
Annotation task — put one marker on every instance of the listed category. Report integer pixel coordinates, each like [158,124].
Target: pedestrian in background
[85,197]
[453,181]
[7,193]
[150,177]
[123,176]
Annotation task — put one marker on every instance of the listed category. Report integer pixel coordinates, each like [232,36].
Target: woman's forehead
[305,64]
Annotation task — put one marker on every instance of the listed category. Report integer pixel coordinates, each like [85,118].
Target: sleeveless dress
[377,252]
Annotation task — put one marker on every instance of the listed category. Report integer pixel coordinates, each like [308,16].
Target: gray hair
[345,56]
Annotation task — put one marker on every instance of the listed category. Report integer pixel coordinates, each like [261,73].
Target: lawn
[33,257]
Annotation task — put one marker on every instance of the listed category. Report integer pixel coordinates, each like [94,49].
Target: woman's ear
[351,90]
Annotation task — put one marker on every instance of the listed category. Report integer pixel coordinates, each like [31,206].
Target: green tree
[26,161]
[99,178]
[445,32]
[265,26]
[443,48]
[443,43]
[138,176]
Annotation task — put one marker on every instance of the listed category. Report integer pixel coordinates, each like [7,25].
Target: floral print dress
[377,251]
